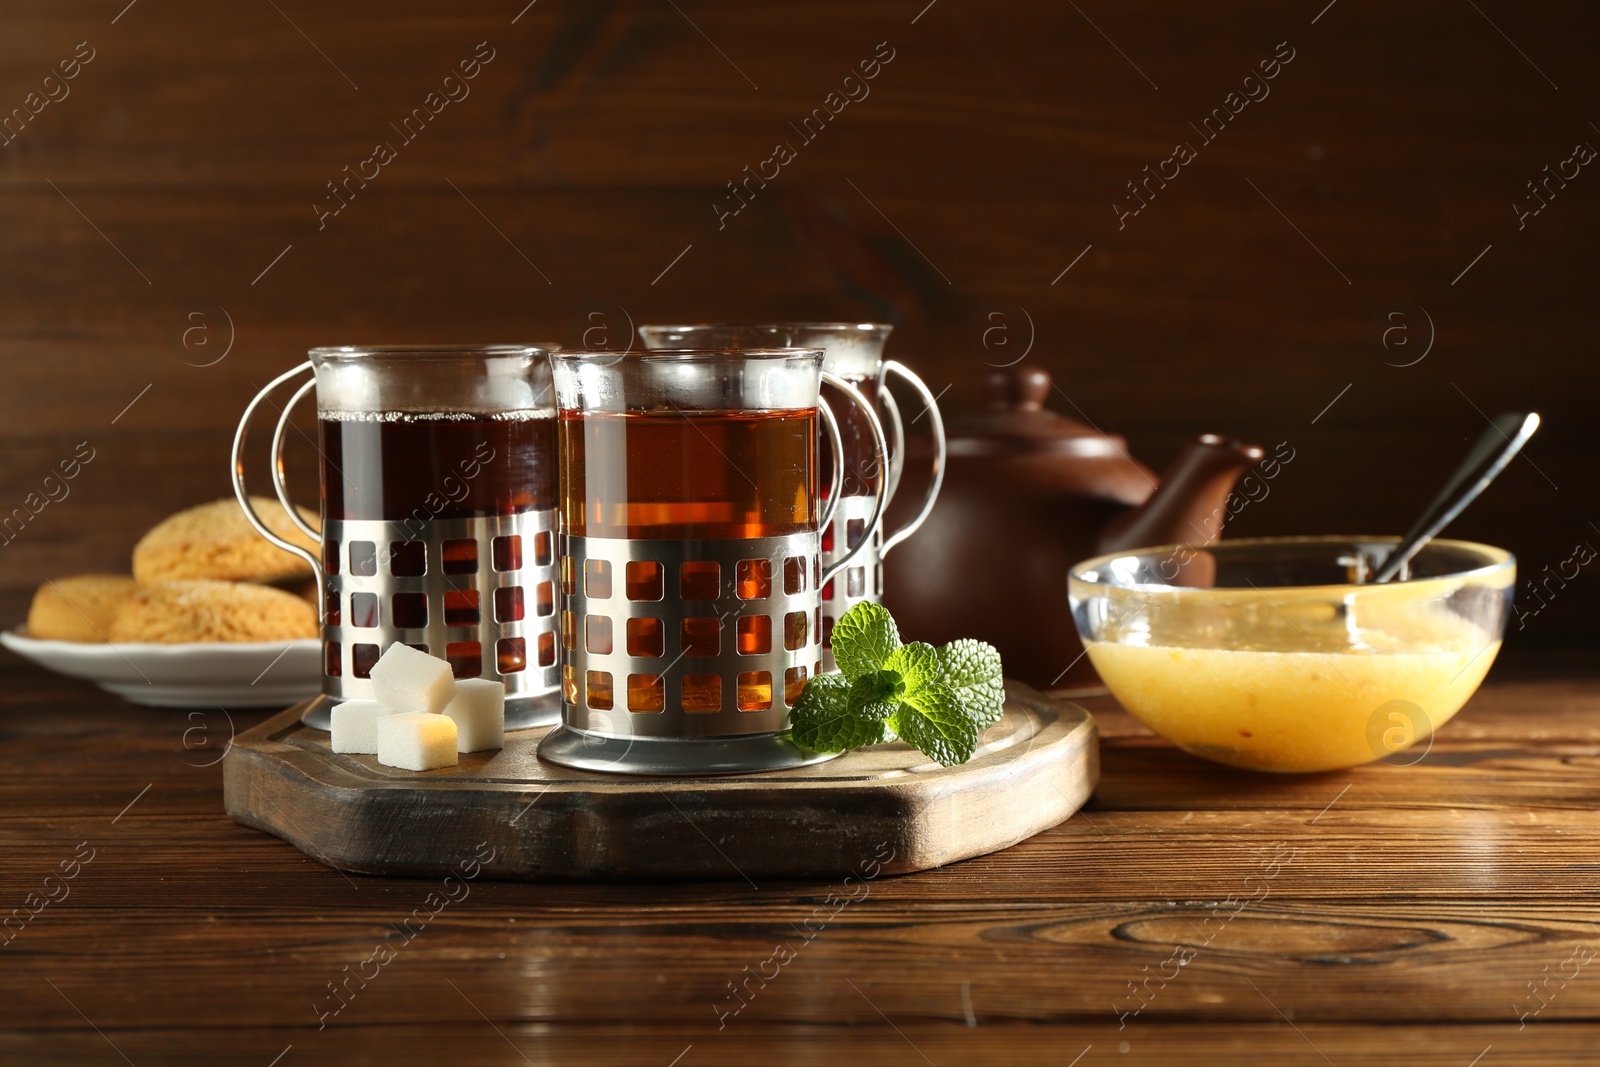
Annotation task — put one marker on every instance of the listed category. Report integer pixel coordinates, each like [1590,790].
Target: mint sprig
[937,699]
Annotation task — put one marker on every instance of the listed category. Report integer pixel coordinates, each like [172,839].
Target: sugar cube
[479,711]
[416,741]
[410,680]
[355,725]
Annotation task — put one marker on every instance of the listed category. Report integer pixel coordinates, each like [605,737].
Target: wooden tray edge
[371,827]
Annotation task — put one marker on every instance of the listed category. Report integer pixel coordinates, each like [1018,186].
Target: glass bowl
[1271,654]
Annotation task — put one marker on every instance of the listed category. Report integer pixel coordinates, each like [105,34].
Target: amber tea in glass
[688,474]
[853,351]
[690,555]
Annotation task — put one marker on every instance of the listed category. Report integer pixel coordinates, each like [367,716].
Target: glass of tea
[690,554]
[854,352]
[438,513]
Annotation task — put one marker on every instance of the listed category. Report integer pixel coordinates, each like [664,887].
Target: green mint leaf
[971,670]
[933,721]
[876,696]
[937,700]
[917,664]
[863,639]
[821,719]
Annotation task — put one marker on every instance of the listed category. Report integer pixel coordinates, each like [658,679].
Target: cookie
[79,608]
[201,610]
[216,541]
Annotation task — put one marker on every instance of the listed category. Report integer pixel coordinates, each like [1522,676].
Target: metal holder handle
[881,445]
[910,377]
[278,484]
[283,496]
[894,428]
[832,423]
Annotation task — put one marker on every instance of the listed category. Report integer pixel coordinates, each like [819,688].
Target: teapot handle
[931,409]
[882,450]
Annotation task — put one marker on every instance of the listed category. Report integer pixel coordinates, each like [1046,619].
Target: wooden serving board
[887,806]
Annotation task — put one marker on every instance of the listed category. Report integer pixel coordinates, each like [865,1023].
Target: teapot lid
[1015,421]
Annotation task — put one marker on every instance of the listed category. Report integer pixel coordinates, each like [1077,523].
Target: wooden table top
[1443,913]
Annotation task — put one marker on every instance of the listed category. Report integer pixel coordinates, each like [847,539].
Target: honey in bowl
[1281,677]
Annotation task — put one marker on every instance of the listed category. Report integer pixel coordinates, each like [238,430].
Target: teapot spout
[1189,505]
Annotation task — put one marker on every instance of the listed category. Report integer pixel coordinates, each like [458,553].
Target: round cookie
[79,608]
[216,541]
[201,610]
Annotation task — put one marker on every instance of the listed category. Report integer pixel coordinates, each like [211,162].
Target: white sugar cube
[416,741]
[479,711]
[408,680]
[355,725]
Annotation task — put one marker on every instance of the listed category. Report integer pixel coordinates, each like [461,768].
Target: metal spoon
[1496,448]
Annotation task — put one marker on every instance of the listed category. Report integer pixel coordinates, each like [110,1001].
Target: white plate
[198,675]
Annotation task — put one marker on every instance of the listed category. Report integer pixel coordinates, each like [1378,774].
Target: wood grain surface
[579,177]
[1387,914]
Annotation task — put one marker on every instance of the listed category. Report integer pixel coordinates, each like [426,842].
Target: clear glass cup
[854,352]
[1277,654]
[691,569]
[438,512]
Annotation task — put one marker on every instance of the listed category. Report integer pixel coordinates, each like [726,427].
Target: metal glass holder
[479,592]
[684,657]
[360,576]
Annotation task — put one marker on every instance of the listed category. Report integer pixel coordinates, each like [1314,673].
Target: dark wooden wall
[1244,298]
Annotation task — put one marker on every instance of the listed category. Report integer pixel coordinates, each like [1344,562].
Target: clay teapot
[1028,493]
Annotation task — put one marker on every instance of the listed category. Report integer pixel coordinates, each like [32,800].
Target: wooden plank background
[177,175]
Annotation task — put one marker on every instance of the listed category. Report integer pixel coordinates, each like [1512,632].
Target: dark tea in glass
[449,464]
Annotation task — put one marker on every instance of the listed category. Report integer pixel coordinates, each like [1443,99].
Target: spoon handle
[1496,448]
